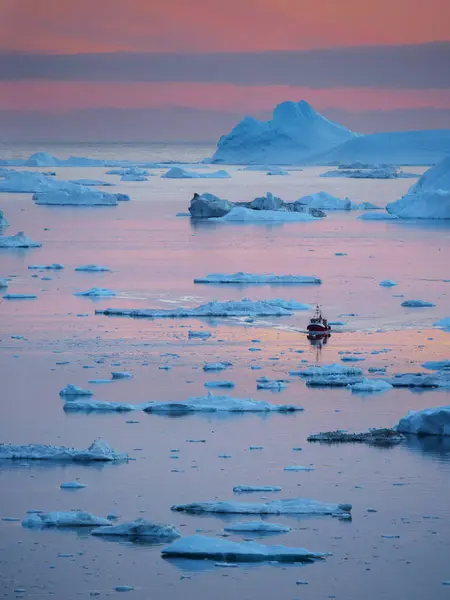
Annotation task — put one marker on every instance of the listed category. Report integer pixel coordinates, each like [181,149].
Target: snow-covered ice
[96,292]
[242,214]
[430,421]
[371,385]
[140,528]
[64,519]
[74,390]
[20,240]
[332,369]
[326,201]
[210,403]
[247,278]
[97,451]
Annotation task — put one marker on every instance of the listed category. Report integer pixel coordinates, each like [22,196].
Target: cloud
[416,67]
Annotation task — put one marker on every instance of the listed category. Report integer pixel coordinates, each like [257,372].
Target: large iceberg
[326,201]
[428,198]
[430,421]
[295,133]
[218,404]
[202,547]
[179,173]
[141,528]
[20,240]
[64,519]
[97,451]
[294,506]
[231,308]
[205,206]
[246,278]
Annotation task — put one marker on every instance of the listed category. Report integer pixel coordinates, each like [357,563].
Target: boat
[318,325]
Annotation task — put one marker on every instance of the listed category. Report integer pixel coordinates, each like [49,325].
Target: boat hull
[317,328]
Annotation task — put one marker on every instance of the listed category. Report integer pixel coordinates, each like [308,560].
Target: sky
[190,69]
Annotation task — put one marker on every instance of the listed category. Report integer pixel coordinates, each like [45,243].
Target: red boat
[317,324]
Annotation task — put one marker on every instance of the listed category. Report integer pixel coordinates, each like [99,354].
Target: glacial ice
[140,528]
[179,173]
[267,202]
[293,506]
[92,268]
[97,451]
[96,292]
[214,404]
[73,390]
[64,519]
[417,304]
[248,278]
[202,547]
[430,421]
[370,172]
[245,489]
[327,201]
[20,240]
[242,214]
[206,206]
[271,384]
[295,133]
[78,196]
[257,527]
[370,385]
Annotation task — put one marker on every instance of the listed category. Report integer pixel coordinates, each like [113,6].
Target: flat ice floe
[202,335]
[388,283]
[92,268]
[72,485]
[179,173]
[424,380]
[219,384]
[52,267]
[231,308]
[370,385]
[269,278]
[96,292]
[74,390]
[100,406]
[294,506]
[20,240]
[133,177]
[377,216]
[437,365]
[417,304]
[245,489]
[91,182]
[443,323]
[430,421]
[80,196]
[213,404]
[64,519]
[242,214]
[326,201]
[202,547]
[332,369]
[97,451]
[217,366]
[141,528]
[373,436]
[20,296]
[257,527]
[3,283]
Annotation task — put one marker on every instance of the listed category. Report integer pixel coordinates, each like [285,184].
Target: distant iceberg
[30,181]
[141,528]
[91,182]
[20,240]
[326,201]
[80,196]
[52,267]
[3,221]
[97,451]
[96,293]
[73,390]
[133,177]
[247,215]
[257,527]
[247,278]
[92,268]
[246,489]
[64,519]
[370,172]
[377,216]
[179,173]
[218,404]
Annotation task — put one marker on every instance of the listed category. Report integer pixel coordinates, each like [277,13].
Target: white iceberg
[202,547]
[257,527]
[326,201]
[20,240]
[96,292]
[250,278]
[92,268]
[417,304]
[246,489]
[294,506]
[52,267]
[242,214]
[377,216]
[295,133]
[231,308]
[141,528]
[218,404]
[179,173]
[430,421]
[97,451]
[64,519]
[370,385]
[73,390]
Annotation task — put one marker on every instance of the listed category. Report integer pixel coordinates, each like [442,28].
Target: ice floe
[64,519]
[369,172]
[213,404]
[140,528]
[257,527]
[242,214]
[388,283]
[20,296]
[437,365]
[133,177]
[179,173]
[383,436]
[430,421]
[52,267]
[3,283]
[3,220]
[217,366]
[202,547]
[121,375]
[270,384]
[245,489]
[299,468]
[202,335]
[417,304]
[277,172]
[326,201]
[424,380]
[443,323]
[381,215]
[219,384]
[370,385]
[72,485]
[100,406]
[97,451]
[79,196]
[91,182]
[96,292]
[324,370]
[74,390]
[92,268]
[20,240]
[247,278]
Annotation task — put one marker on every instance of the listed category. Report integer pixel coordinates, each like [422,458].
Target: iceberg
[269,384]
[130,171]
[219,384]
[64,519]
[141,528]
[53,267]
[333,369]
[370,172]
[231,308]
[370,385]
[257,527]
[267,202]
[202,335]
[97,451]
[417,304]
[294,506]
[218,404]
[388,283]
[72,485]
[295,133]
[179,173]
[91,182]
[326,201]
[430,421]
[437,365]
[3,221]
[80,196]
[373,436]
[121,375]
[73,390]
[96,292]
[20,296]
[20,240]
[218,366]
[99,406]
[249,278]
[3,283]
[205,206]
[93,268]
[378,216]
[242,214]
[246,489]
[428,198]
[421,380]
[203,547]
[133,177]
[30,182]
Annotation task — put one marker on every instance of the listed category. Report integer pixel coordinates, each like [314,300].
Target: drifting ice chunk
[437,365]
[218,384]
[271,385]
[277,172]
[425,380]
[388,283]
[370,172]
[218,366]
[73,390]
[205,206]
[245,489]
[64,519]
[373,436]
[3,221]
[133,177]
[332,380]
[214,404]
[257,527]
[267,202]
[92,268]
[417,304]
[53,267]
[179,173]
[202,547]
[121,375]
[370,385]
[246,278]
[20,297]
[91,182]
[20,240]
[326,201]
[72,485]
[97,451]
[3,283]
[378,216]
[299,468]
[430,421]
[444,323]
[333,369]
[141,528]
[294,506]
[96,292]
[242,214]
[99,406]
[203,335]
[30,181]
[232,308]
[80,196]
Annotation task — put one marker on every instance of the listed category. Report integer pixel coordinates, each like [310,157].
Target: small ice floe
[97,451]
[100,381]
[74,390]
[245,489]
[53,267]
[352,359]
[333,381]
[417,304]
[388,283]
[140,528]
[202,335]
[437,365]
[381,215]
[240,214]
[256,447]
[133,177]
[72,485]
[218,366]
[93,268]
[212,404]
[377,369]
[257,527]
[340,253]
[121,375]
[91,182]
[247,278]
[124,588]
[3,220]
[20,240]
[3,283]
[423,380]
[231,308]
[202,547]
[430,421]
[294,506]
[323,370]
[299,468]
[64,519]
[20,296]
[96,293]
[219,384]
[277,171]
[443,323]
[100,406]
[270,384]
[375,437]
[370,385]
[179,173]
[326,201]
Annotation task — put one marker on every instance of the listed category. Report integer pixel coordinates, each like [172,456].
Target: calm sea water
[155,256]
